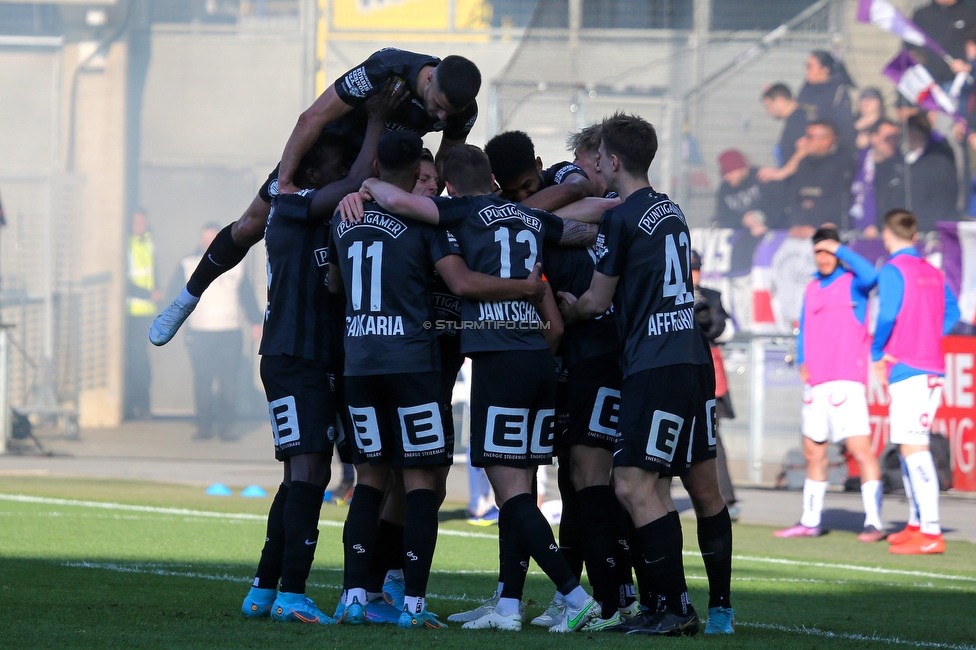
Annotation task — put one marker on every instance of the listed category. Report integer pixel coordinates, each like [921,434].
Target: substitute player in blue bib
[665,419]
[916,309]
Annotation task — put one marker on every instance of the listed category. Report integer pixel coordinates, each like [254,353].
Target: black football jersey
[645,242]
[447,306]
[367,79]
[556,174]
[503,239]
[297,319]
[571,269]
[387,267]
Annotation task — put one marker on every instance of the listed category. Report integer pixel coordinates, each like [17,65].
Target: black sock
[660,543]
[419,540]
[222,255]
[715,542]
[512,560]
[623,529]
[676,517]
[535,537]
[269,566]
[359,535]
[301,513]
[570,530]
[598,545]
[647,591]
[501,549]
[387,555]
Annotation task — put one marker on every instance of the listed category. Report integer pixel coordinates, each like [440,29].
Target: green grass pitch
[113,564]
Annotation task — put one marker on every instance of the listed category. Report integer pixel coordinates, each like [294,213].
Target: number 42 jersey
[645,242]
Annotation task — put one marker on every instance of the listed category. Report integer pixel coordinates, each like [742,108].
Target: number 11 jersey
[645,242]
[386,263]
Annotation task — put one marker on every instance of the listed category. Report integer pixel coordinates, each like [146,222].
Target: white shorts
[912,409]
[835,409]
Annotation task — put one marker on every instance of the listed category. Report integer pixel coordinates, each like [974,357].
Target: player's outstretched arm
[466,283]
[576,234]
[379,107]
[595,301]
[327,108]
[865,275]
[400,202]
[574,188]
[587,210]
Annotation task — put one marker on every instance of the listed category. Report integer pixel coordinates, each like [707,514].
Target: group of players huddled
[378,287]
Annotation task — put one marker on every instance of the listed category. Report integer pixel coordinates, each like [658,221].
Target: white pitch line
[223,577]
[827,634]
[848,567]
[184,512]
[806,631]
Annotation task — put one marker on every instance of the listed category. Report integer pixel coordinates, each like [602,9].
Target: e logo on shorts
[421,428]
[284,420]
[663,439]
[603,419]
[507,430]
[543,432]
[710,414]
[366,429]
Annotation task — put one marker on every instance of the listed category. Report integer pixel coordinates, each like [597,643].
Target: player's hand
[383,103]
[536,287]
[703,316]
[567,304]
[880,368]
[351,208]
[287,188]
[256,331]
[804,373]
[828,245]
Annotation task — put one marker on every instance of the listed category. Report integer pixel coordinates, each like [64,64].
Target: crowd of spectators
[848,164]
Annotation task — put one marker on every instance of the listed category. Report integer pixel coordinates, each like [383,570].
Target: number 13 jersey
[645,242]
[503,239]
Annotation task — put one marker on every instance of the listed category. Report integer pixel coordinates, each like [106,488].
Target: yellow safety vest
[141,273]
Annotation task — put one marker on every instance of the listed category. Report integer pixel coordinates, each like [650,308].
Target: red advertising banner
[956,417]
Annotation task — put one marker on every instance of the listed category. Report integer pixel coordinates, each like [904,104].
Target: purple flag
[916,84]
[881,13]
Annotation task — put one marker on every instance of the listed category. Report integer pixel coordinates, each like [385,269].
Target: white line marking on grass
[847,567]
[808,631]
[184,512]
[222,577]
[860,583]
[827,634]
